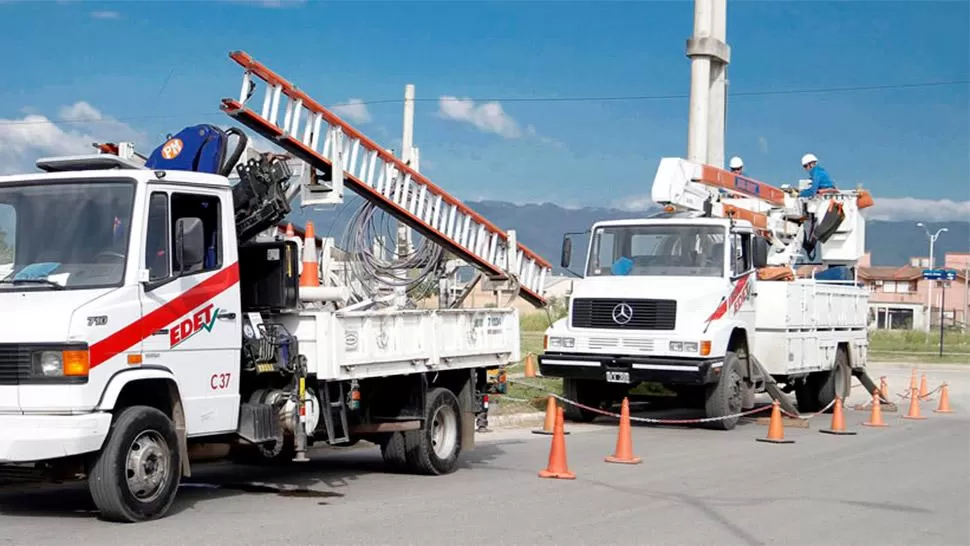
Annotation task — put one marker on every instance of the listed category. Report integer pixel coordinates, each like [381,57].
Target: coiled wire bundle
[371,276]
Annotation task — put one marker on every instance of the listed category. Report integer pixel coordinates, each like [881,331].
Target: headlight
[683,346]
[566,342]
[60,363]
[48,364]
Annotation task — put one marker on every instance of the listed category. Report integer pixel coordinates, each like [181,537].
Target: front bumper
[29,438]
[668,371]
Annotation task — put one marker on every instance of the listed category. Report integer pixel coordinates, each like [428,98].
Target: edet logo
[203,319]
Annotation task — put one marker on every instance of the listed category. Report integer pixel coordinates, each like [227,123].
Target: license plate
[617,377]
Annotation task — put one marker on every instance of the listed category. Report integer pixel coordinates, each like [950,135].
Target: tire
[584,393]
[819,388]
[435,448]
[141,440]
[726,397]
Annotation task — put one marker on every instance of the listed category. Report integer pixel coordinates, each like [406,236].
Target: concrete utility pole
[709,56]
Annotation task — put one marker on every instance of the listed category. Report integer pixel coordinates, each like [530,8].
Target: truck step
[335,414]
[258,423]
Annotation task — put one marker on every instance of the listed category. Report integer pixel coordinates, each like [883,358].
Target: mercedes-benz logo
[622,313]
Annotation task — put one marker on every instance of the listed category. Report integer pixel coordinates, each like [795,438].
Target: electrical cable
[605,98]
[375,274]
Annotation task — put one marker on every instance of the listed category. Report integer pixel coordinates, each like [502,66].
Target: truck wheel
[435,448]
[137,473]
[582,392]
[726,397]
[819,388]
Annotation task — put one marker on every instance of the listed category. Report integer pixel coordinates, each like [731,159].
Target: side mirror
[189,243]
[759,252]
[567,252]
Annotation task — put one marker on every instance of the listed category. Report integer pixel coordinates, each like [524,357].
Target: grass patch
[910,341]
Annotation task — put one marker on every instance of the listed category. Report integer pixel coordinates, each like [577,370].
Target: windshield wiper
[48,282]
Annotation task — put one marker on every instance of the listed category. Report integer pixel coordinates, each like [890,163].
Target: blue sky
[143,69]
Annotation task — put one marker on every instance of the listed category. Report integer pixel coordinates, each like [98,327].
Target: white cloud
[24,140]
[531,130]
[634,203]
[488,117]
[910,208]
[353,110]
[105,14]
[269,3]
[763,144]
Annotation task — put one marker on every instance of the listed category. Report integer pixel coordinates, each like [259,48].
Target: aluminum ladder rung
[318,137]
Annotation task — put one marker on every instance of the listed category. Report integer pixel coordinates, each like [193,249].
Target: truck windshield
[64,235]
[657,250]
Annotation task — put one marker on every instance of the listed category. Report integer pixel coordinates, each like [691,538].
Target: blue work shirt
[820,180]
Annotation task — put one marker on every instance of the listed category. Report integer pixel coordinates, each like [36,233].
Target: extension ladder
[347,157]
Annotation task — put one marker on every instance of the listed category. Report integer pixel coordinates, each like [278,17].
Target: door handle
[226,316]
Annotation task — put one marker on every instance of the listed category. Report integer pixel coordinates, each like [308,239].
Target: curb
[513,420]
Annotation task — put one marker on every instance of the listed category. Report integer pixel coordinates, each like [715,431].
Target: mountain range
[541,226]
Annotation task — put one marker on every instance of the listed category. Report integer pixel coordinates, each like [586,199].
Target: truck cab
[112,280]
[665,299]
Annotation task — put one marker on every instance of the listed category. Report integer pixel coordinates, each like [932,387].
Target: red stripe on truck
[137,331]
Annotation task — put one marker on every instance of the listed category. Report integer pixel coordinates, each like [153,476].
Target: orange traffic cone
[875,420]
[884,387]
[557,467]
[912,379]
[624,440]
[923,392]
[944,406]
[530,365]
[838,420]
[310,275]
[776,430]
[914,407]
[550,424]
[289,230]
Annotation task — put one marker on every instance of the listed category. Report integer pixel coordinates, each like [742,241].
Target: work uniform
[820,181]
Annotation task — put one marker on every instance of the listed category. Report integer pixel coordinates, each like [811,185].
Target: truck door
[742,271]
[199,304]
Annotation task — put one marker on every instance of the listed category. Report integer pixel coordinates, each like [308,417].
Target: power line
[615,98]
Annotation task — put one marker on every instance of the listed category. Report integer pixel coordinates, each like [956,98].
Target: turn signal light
[76,363]
[705,348]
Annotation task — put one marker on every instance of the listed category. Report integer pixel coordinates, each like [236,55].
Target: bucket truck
[703,298]
[152,316]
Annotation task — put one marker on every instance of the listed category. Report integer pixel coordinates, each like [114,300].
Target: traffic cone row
[623,454]
[558,467]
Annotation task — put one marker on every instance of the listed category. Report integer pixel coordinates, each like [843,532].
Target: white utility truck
[703,298]
[154,315]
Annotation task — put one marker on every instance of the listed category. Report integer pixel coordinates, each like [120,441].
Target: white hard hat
[736,162]
[808,158]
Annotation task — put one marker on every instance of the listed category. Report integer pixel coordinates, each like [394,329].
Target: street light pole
[929,291]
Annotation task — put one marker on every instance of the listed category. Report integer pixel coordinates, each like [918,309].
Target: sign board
[939,274]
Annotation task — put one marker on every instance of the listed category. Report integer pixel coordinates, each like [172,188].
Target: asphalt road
[908,483]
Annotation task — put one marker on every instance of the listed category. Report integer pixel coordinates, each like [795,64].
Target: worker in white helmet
[820,178]
[736,165]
